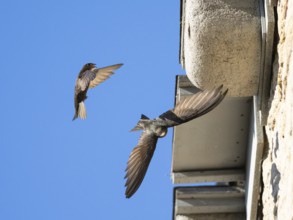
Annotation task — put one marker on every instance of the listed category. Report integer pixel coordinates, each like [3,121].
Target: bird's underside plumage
[187,109]
[89,77]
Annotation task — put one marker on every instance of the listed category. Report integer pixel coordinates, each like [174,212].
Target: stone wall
[277,197]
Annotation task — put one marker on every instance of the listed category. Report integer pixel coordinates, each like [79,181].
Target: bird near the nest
[89,77]
[187,109]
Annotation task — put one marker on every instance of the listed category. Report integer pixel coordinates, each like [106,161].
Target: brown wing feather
[193,106]
[139,161]
[199,104]
[102,74]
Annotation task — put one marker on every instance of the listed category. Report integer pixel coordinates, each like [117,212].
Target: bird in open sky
[89,77]
[187,109]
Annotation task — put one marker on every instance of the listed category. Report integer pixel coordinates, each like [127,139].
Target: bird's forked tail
[140,123]
[81,111]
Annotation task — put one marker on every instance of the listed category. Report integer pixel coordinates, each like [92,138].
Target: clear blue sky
[52,168]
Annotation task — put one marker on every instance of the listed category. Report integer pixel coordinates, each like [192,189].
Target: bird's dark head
[161,131]
[88,66]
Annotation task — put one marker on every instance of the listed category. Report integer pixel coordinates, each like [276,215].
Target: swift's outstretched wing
[139,161]
[192,107]
[102,74]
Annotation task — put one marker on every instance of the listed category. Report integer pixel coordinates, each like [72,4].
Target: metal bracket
[267,32]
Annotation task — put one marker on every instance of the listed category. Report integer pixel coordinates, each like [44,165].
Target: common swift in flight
[187,109]
[89,77]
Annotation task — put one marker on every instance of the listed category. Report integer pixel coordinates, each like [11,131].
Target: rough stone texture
[277,195]
[220,44]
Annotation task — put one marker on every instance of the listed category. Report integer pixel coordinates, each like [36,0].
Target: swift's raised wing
[102,74]
[192,107]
